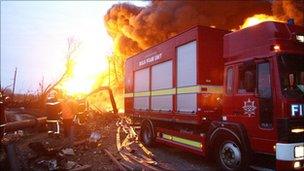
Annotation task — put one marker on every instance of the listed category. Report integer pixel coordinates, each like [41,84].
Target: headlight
[296,165]
[299,151]
[297,130]
[300,38]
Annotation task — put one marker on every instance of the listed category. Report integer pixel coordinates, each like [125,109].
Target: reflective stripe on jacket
[69,108]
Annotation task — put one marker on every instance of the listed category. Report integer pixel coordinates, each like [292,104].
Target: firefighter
[69,109]
[301,84]
[2,114]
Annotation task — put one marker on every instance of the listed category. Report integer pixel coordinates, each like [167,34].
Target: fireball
[256,19]
[84,74]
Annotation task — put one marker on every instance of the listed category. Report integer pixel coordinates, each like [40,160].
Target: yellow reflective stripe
[190,89]
[214,89]
[200,89]
[179,90]
[141,94]
[168,137]
[182,140]
[163,92]
[128,95]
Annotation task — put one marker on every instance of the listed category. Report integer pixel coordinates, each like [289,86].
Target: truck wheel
[146,134]
[230,155]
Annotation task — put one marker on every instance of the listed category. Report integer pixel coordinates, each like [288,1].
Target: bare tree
[73,46]
[6,90]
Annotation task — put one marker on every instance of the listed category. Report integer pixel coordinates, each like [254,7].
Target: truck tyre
[230,154]
[147,134]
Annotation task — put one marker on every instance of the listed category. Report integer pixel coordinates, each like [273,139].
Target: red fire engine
[228,95]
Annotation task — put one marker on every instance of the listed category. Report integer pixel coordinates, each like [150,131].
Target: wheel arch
[149,122]
[235,130]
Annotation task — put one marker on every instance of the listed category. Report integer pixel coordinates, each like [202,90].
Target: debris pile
[43,151]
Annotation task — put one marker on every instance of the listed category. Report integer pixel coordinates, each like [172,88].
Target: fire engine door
[242,106]
[253,103]
[253,98]
[246,103]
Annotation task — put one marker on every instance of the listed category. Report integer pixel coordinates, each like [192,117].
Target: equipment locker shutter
[187,76]
[161,80]
[141,84]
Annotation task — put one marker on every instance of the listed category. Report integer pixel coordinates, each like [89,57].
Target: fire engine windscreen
[291,75]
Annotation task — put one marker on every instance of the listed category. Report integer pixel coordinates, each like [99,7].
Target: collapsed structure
[221,94]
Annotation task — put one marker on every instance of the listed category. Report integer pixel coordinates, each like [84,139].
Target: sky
[34,39]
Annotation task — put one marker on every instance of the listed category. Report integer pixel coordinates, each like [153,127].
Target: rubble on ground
[43,151]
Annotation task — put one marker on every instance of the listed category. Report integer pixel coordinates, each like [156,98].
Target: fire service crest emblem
[249,107]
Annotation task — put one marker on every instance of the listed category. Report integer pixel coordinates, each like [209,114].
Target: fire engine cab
[227,95]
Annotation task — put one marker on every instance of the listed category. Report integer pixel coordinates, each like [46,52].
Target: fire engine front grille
[284,130]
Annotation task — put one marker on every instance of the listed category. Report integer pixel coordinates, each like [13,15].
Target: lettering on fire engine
[150,59]
[297,110]
[249,107]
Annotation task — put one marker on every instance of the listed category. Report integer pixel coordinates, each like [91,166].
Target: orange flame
[83,77]
[257,19]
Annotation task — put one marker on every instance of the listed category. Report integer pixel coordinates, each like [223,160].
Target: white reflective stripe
[52,121]
[286,152]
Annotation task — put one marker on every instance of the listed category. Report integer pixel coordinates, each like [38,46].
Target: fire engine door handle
[237,112]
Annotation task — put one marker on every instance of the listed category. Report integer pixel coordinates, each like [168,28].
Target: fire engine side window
[161,79]
[247,77]
[264,86]
[187,77]
[265,95]
[229,89]
[141,87]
